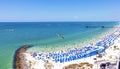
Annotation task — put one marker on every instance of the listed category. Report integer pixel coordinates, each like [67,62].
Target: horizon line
[59,21]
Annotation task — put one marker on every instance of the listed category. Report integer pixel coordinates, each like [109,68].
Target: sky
[59,10]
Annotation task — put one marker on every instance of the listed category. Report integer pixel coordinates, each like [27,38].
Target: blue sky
[59,10]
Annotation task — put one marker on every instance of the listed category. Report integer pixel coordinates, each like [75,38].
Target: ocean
[47,36]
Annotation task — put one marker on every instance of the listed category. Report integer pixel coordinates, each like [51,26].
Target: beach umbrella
[35,54]
[98,44]
[95,58]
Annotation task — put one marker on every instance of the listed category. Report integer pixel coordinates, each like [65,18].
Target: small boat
[60,36]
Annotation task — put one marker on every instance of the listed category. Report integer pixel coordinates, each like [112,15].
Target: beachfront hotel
[101,55]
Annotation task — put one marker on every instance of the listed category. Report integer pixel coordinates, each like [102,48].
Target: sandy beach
[104,54]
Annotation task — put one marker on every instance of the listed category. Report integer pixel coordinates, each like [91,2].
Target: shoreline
[23,49]
[37,58]
[17,56]
[73,45]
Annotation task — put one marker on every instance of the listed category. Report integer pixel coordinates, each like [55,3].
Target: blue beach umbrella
[99,44]
[34,55]
[95,58]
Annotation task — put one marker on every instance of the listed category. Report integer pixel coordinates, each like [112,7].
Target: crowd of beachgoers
[81,57]
[78,53]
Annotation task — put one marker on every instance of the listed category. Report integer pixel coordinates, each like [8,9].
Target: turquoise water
[43,36]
